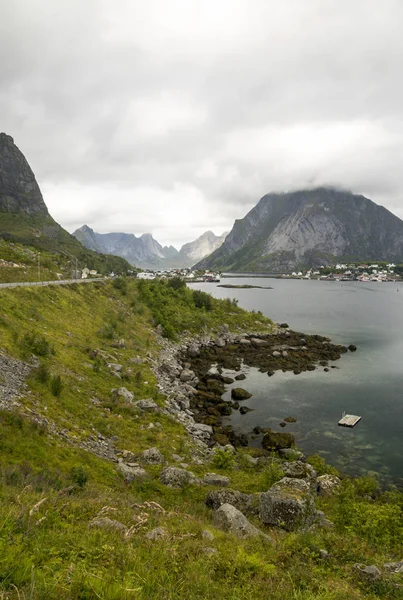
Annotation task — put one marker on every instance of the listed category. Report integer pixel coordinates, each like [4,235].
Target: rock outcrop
[19,191]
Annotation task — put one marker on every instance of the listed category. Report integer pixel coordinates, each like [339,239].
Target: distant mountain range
[145,252]
[309,228]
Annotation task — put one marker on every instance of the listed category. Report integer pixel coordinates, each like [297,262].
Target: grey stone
[202,427]
[193,350]
[147,405]
[276,354]
[207,535]
[369,573]
[132,473]
[186,375]
[214,479]
[288,504]
[394,567]
[323,554]
[247,503]
[156,534]
[230,519]
[300,470]
[106,523]
[176,478]
[328,485]
[152,456]
[209,550]
[123,393]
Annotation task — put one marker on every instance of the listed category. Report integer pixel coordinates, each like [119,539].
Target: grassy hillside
[51,488]
[42,234]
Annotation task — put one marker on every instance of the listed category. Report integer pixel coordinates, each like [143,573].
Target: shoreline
[190,375]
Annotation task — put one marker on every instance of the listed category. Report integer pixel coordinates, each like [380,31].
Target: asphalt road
[57,282]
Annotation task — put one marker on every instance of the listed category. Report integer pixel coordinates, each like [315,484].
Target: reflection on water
[367,383]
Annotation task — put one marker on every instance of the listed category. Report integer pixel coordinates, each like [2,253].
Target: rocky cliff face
[145,252]
[309,228]
[203,246]
[19,191]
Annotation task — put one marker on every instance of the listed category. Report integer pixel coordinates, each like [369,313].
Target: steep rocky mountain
[19,191]
[309,228]
[203,246]
[25,219]
[145,252]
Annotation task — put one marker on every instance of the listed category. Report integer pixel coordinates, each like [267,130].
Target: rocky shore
[191,376]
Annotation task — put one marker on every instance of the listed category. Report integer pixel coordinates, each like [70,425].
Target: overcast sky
[176,116]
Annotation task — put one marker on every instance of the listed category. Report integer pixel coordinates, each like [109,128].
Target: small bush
[272,473]
[42,373]
[56,385]
[34,343]
[79,476]
[202,300]
[120,284]
[222,459]
[177,283]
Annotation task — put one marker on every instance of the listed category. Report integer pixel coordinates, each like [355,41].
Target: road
[57,282]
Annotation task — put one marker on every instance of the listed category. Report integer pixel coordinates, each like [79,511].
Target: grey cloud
[76,79]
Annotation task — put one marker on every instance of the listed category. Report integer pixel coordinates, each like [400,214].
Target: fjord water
[368,382]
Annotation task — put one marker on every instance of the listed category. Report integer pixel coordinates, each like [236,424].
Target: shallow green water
[367,383]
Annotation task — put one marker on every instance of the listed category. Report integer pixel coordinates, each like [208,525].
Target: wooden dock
[349,420]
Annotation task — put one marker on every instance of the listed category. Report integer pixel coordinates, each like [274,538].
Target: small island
[245,286]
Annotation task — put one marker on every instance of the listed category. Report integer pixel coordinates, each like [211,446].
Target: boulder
[152,456]
[193,350]
[300,470]
[123,393]
[214,479]
[394,567]
[244,409]
[156,534]
[106,523]
[230,519]
[240,377]
[276,354]
[328,485]
[147,405]
[175,477]
[288,504]
[132,473]
[247,503]
[352,347]
[240,394]
[368,573]
[186,375]
[274,440]
[207,535]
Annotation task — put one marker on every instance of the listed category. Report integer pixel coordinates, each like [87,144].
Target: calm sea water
[367,383]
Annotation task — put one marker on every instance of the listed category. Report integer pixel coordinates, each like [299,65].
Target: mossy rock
[240,394]
[274,440]
[221,439]
[290,420]
[224,408]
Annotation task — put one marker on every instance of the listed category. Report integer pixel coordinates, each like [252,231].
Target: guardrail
[44,283]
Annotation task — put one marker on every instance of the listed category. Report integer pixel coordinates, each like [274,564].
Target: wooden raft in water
[349,420]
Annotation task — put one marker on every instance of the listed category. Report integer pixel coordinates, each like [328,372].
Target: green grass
[51,489]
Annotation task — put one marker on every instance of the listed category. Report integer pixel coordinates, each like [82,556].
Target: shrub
[79,476]
[177,283]
[202,300]
[272,473]
[56,385]
[42,373]
[222,459]
[119,283]
[34,343]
